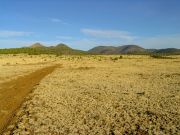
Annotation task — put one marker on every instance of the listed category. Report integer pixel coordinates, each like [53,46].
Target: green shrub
[120,57]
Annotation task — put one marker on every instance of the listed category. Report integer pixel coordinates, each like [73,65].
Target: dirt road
[12,93]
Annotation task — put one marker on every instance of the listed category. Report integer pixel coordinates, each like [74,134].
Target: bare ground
[97,95]
[12,93]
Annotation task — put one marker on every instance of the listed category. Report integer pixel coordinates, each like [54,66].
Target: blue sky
[83,24]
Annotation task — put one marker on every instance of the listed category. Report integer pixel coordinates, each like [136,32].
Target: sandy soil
[100,95]
[12,93]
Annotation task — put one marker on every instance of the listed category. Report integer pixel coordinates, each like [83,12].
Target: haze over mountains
[61,48]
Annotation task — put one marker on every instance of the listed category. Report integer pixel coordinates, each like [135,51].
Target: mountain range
[61,48]
[125,49]
[131,49]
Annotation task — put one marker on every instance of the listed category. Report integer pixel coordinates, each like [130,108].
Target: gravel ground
[128,96]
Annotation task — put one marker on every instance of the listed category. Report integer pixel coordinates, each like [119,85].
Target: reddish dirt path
[12,93]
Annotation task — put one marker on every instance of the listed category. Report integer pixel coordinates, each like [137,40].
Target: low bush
[160,56]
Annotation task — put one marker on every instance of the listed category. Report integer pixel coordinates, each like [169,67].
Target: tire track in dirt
[12,93]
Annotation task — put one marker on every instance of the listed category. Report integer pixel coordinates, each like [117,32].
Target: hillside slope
[125,49]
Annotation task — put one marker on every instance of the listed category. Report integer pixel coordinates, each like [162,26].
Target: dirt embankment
[12,93]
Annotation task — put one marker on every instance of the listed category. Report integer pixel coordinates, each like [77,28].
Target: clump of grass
[141,93]
[7,63]
[116,58]
[120,57]
[85,68]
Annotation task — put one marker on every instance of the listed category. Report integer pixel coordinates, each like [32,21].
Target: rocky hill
[125,49]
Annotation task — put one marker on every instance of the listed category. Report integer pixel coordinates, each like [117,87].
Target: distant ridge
[169,51]
[132,49]
[63,49]
[125,49]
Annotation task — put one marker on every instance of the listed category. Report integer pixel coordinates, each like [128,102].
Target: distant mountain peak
[61,45]
[37,45]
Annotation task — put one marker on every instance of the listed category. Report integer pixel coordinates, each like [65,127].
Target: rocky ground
[100,95]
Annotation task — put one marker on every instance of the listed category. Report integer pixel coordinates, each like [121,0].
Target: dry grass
[13,66]
[97,95]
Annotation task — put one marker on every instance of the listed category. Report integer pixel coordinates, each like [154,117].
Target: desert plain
[92,94]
